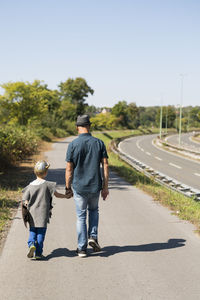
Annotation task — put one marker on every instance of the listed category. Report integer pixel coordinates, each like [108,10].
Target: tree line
[35,105]
[31,111]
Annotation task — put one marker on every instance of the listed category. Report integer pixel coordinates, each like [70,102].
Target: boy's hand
[26,203]
[68,193]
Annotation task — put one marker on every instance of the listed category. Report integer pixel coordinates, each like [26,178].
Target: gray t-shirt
[86,153]
[39,201]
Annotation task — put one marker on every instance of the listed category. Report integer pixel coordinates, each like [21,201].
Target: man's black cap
[83,120]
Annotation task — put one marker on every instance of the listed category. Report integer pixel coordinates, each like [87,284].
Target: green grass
[184,207]
[7,202]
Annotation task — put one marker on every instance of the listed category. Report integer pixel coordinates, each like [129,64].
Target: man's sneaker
[39,257]
[81,253]
[31,251]
[94,244]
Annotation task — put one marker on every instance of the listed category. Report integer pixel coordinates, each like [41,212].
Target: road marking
[158,158]
[173,165]
[197,174]
[148,153]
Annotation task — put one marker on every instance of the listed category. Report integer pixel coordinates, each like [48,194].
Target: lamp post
[181,101]
[161,120]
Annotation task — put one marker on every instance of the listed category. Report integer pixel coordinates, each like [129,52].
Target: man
[84,156]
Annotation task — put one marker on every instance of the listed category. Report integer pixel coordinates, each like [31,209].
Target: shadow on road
[61,252]
[170,244]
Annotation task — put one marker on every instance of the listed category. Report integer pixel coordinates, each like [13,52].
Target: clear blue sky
[125,49]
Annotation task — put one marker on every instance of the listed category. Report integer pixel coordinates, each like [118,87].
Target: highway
[182,169]
[186,141]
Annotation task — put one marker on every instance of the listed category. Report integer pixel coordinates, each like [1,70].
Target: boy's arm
[59,195]
[105,191]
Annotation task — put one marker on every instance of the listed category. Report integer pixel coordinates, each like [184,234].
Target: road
[184,170]
[147,253]
[186,141]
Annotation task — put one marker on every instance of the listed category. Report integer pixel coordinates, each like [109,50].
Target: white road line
[137,144]
[142,149]
[158,158]
[197,174]
[148,153]
[173,165]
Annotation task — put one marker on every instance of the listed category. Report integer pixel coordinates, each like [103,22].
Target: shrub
[15,144]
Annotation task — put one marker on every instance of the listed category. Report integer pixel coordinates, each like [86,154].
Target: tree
[168,116]
[148,115]
[25,101]
[76,91]
[128,115]
[104,121]
[133,116]
[120,110]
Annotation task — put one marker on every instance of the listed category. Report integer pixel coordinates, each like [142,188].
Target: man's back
[86,154]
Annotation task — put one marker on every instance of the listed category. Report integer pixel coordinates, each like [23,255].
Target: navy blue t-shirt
[86,153]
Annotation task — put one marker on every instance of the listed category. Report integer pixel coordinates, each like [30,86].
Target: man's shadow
[111,250]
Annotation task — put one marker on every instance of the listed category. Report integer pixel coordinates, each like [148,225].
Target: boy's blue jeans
[36,237]
[84,202]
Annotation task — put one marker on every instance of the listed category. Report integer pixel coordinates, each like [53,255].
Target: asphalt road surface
[186,141]
[185,170]
[147,253]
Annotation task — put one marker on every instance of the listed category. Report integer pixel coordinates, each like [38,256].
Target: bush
[16,143]
[69,126]
[44,134]
[60,133]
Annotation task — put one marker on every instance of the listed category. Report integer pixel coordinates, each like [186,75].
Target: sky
[126,50]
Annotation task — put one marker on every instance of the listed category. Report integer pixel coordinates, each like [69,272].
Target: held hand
[26,203]
[104,193]
[68,193]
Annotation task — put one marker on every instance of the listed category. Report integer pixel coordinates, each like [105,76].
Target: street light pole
[161,121]
[181,101]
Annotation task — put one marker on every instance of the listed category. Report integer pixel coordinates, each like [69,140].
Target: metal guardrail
[161,178]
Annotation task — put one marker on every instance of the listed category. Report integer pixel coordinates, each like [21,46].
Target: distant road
[186,141]
[184,170]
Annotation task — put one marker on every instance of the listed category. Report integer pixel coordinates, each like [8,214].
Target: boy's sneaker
[31,251]
[94,244]
[81,253]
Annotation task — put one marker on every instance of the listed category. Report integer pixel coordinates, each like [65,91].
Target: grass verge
[185,208]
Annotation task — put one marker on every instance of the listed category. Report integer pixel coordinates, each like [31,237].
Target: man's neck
[83,130]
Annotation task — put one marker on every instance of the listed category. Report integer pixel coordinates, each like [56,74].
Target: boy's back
[39,198]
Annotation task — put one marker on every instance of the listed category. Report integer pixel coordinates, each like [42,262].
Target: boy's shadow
[59,252]
[111,250]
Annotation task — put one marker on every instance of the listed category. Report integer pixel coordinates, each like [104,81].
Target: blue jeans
[84,202]
[36,237]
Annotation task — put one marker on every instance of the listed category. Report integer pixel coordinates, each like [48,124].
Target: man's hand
[68,193]
[104,193]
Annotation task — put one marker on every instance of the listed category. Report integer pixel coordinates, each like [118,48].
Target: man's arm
[69,174]
[105,192]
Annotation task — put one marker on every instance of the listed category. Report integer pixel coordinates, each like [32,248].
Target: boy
[37,196]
